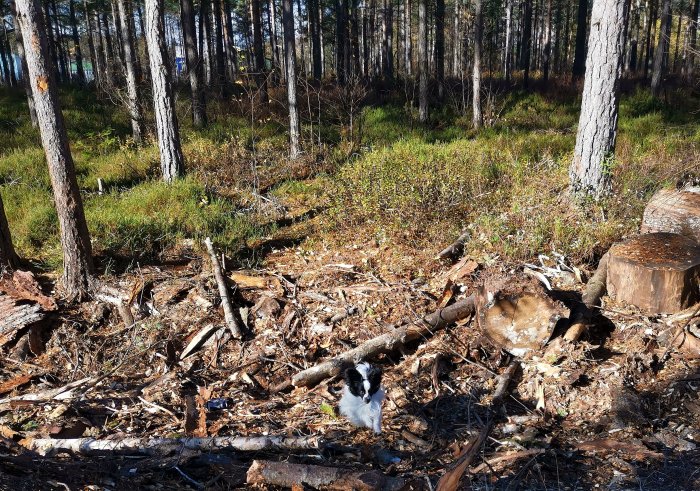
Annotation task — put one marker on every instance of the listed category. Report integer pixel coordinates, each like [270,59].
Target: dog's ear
[352,376]
[375,376]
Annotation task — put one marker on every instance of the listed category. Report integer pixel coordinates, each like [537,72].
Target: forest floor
[330,252]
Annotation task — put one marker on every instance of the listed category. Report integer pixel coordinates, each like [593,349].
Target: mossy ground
[404,183]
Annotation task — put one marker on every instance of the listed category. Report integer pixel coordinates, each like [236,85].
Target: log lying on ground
[231,320]
[656,272]
[456,248]
[517,314]
[166,446]
[582,314]
[674,210]
[319,477]
[386,342]
[450,480]
[15,316]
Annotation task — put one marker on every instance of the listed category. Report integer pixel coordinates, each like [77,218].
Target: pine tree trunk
[315,22]
[272,26]
[440,47]
[8,257]
[259,52]
[75,239]
[131,83]
[53,54]
[581,30]
[340,41]
[597,128]
[10,59]
[387,41]
[218,50]
[526,43]
[408,41]
[651,34]
[109,49]
[23,62]
[661,48]
[477,118]
[422,61]
[76,44]
[194,65]
[547,42]
[692,42]
[290,64]
[91,46]
[509,40]
[172,161]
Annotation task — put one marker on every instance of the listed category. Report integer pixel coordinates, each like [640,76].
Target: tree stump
[656,272]
[674,210]
[518,314]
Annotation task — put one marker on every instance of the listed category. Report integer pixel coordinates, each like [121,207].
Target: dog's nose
[366,399]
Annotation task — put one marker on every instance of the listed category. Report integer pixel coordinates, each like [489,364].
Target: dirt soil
[605,413]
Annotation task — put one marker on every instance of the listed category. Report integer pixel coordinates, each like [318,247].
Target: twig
[231,321]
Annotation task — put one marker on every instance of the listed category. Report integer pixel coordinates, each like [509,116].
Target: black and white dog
[363,396]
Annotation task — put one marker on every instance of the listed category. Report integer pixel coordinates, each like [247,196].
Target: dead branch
[291,475]
[231,321]
[450,480]
[58,393]
[165,446]
[595,289]
[386,342]
[455,248]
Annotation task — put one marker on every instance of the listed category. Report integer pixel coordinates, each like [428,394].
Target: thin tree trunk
[8,256]
[422,61]
[581,30]
[597,128]
[259,51]
[219,50]
[76,44]
[23,63]
[387,41]
[692,43]
[661,48]
[440,47]
[53,53]
[131,83]
[109,49]
[10,58]
[290,64]
[94,61]
[272,22]
[547,42]
[408,41]
[171,158]
[509,40]
[75,239]
[651,34]
[194,65]
[526,43]
[477,118]
[678,39]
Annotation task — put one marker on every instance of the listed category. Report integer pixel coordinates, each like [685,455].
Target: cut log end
[656,272]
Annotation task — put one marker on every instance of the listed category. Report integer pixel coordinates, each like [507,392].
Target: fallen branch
[595,289]
[165,446]
[231,321]
[58,393]
[386,342]
[506,457]
[295,475]
[450,480]
[455,248]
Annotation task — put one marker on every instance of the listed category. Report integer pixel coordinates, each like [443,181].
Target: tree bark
[8,257]
[94,56]
[259,52]
[661,48]
[76,44]
[219,49]
[23,62]
[194,65]
[231,320]
[692,42]
[422,61]
[597,128]
[546,54]
[579,67]
[509,40]
[440,47]
[172,162]
[75,239]
[290,65]
[272,20]
[408,40]
[651,34]
[132,89]
[315,21]
[387,41]
[526,43]
[477,118]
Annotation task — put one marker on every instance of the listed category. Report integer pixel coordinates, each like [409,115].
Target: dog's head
[363,380]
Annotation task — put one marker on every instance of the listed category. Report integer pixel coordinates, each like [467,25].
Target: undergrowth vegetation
[398,182]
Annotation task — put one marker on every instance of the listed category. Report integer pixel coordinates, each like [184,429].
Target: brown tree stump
[656,272]
[518,314]
[673,210]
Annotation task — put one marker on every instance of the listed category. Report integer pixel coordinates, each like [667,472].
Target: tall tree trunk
[509,40]
[692,42]
[8,256]
[581,30]
[661,48]
[651,34]
[341,43]
[422,61]
[76,44]
[94,57]
[259,51]
[355,38]
[10,58]
[567,37]
[678,39]
[408,41]
[440,46]
[219,50]
[387,41]
[172,162]
[290,64]
[4,59]
[53,53]
[272,27]
[526,43]
[315,22]
[597,128]
[477,118]
[23,63]
[132,89]
[75,239]
[109,49]
[205,53]
[547,42]
[194,65]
